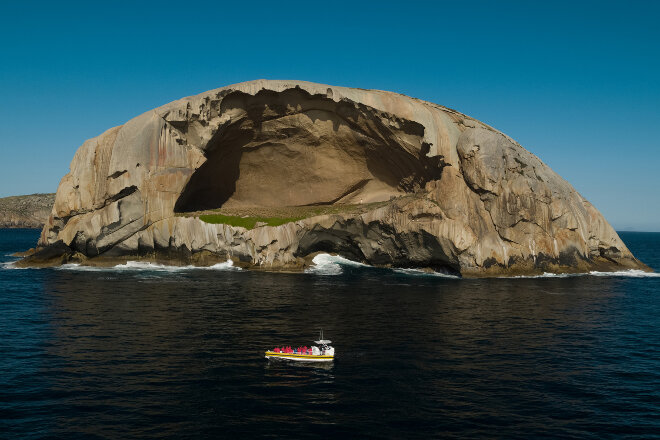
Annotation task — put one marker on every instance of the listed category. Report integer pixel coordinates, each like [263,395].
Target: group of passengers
[299,350]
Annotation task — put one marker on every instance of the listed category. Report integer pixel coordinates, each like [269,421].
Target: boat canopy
[322,341]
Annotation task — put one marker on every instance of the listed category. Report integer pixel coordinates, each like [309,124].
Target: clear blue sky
[577,83]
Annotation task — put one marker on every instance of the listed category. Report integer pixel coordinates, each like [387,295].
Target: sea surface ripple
[149,351]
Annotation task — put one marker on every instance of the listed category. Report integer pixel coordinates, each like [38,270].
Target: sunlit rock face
[457,195]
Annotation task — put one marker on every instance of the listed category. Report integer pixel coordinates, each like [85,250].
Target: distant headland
[30,211]
[270,173]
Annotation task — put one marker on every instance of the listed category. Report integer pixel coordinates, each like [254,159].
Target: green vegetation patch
[246,222]
[275,216]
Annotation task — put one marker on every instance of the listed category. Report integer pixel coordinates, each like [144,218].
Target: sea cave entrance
[295,149]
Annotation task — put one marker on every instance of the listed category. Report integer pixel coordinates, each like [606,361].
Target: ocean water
[149,351]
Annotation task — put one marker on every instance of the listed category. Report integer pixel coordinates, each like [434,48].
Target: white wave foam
[326,264]
[634,273]
[419,272]
[630,273]
[147,266]
[227,265]
[11,265]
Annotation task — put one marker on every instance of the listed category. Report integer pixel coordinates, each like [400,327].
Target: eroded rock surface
[461,196]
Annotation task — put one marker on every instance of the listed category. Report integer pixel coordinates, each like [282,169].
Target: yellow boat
[323,352]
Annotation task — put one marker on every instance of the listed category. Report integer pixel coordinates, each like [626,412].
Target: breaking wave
[630,273]
[326,264]
[147,266]
[10,265]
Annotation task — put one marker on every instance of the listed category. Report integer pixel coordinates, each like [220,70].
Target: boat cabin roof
[323,341]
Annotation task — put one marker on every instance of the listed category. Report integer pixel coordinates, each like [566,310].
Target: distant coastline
[28,211]
[628,231]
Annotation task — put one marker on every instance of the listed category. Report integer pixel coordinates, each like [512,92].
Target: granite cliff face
[29,211]
[456,195]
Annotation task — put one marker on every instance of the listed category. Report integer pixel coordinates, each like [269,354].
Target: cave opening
[292,148]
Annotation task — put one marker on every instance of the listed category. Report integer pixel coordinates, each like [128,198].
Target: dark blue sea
[146,351]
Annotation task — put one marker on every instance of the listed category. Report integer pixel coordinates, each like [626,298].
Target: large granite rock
[461,196]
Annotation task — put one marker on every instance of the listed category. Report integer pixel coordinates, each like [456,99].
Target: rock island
[270,173]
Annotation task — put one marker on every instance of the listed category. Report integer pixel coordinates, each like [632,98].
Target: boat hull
[299,357]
